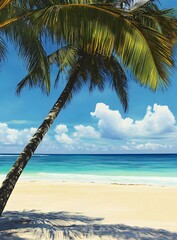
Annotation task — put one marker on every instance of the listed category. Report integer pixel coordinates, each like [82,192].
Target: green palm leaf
[119,81]
[95,70]
[139,38]
[3,49]
[3,3]
[100,29]
[64,57]
[30,49]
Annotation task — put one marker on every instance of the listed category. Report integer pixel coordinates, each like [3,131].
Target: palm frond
[102,30]
[5,23]
[95,70]
[97,75]
[4,3]
[58,22]
[164,21]
[141,42]
[119,81]
[64,57]
[161,52]
[31,50]
[5,12]
[138,49]
[3,49]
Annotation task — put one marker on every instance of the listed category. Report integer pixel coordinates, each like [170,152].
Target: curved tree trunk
[16,170]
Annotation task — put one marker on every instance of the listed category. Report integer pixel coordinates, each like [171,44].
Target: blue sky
[92,123]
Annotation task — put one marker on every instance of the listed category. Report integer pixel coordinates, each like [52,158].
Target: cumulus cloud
[61,129]
[13,136]
[61,134]
[64,138]
[154,132]
[85,132]
[158,121]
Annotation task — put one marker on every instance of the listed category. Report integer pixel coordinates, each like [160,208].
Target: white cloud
[158,121]
[64,138]
[13,136]
[61,135]
[85,132]
[61,129]
[81,131]
[154,132]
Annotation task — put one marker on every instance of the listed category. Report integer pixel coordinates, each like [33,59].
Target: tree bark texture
[16,170]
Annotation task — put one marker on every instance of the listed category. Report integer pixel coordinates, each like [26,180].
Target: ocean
[151,169]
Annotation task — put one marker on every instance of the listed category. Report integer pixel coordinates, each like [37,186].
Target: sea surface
[151,169]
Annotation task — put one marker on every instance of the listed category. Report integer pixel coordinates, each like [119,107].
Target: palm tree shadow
[67,226]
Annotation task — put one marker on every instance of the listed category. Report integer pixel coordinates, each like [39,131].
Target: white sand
[138,207]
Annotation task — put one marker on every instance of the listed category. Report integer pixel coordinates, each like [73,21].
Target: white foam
[85,178]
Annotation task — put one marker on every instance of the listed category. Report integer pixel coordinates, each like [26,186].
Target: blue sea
[151,169]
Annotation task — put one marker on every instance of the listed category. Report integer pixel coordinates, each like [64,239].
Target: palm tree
[138,39]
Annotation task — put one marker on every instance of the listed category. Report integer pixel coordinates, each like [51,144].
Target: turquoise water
[158,169]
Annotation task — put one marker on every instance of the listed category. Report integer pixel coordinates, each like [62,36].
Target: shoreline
[133,205]
[92,183]
[161,181]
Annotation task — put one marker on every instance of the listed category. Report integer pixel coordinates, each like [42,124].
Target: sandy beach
[90,210]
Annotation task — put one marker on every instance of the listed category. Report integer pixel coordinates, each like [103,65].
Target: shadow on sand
[66,226]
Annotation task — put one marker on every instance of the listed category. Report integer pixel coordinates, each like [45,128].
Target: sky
[91,123]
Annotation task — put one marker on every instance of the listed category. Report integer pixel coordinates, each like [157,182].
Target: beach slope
[52,210]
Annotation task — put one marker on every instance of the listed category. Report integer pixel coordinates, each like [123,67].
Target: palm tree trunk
[16,170]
